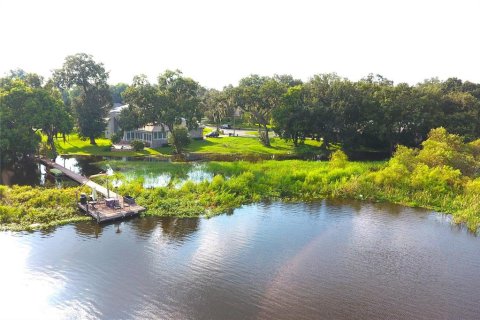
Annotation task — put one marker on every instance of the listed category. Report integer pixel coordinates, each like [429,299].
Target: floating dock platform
[103,213]
[99,209]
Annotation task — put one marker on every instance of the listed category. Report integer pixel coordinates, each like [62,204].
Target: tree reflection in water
[88,229]
[174,229]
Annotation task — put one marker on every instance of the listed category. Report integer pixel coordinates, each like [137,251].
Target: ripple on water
[331,259]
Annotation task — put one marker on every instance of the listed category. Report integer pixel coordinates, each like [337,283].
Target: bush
[117,137]
[445,149]
[137,145]
[179,139]
[338,159]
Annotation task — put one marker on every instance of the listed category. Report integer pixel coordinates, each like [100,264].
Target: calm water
[328,260]
[154,172]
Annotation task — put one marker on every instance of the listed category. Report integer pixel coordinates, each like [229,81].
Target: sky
[219,42]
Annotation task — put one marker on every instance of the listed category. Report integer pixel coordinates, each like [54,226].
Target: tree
[116,92]
[335,113]
[24,110]
[171,102]
[91,106]
[291,119]
[51,116]
[259,96]
[217,106]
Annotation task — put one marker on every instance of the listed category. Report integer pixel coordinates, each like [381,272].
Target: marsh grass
[25,207]
[443,176]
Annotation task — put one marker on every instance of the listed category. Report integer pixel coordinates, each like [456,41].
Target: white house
[152,135]
[112,120]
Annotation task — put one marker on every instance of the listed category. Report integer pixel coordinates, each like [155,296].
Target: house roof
[118,108]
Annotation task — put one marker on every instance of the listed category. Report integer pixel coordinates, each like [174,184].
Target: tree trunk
[51,143]
[174,140]
[92,140]
[265,138]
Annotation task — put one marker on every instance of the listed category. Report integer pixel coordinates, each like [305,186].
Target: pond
[323,260]
[153,172]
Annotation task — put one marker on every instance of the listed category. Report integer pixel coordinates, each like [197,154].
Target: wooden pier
[117,207]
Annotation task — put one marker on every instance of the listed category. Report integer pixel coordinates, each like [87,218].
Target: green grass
[28,208]
[443,176]
[76,146]
[247,145]
[222,145]
[236,183]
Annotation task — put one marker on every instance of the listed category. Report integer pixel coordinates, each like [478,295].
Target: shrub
[137,145]
[116,137]
[179,139]
[338,159]
[445,149]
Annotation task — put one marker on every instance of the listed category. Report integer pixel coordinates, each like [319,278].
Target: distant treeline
[370,114]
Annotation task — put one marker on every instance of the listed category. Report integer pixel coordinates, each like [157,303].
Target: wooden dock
[102,213]
[99,209]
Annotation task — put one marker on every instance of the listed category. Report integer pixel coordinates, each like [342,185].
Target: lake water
[325,260]
[153,172]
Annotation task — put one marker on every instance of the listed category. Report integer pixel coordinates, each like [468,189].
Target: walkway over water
[79,178]
[112,208]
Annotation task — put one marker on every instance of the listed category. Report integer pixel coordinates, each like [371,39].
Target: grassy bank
[223,145]
[76,146]
[443,176]
[26,208]
[250,145]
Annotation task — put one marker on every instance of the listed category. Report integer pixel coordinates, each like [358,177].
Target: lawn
[223,145]
[249,145]
[76,146]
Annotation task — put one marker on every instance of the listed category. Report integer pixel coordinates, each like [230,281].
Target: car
[226,126]
[213,134]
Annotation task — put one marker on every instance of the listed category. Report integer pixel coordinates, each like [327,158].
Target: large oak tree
[91,105]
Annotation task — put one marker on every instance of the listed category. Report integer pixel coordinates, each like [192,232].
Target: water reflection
[88,229]
[322,260]
[83,165]
[21,173]
[179,229]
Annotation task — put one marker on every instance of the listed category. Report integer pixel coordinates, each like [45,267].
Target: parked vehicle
[213,134]
[226,126]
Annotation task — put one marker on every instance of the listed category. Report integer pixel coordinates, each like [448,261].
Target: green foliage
[24,109]
[179,139]
[74,145]
[116,91]
[338,159]
[445,149]
[259,96]
[28,207]
[117,137]
[137,145]
[171,102]
[91,105]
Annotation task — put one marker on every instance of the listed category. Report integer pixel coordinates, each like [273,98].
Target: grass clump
[25,207]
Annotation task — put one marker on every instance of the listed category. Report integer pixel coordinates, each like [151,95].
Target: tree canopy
[93,101]
[173,99]
[25,109]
